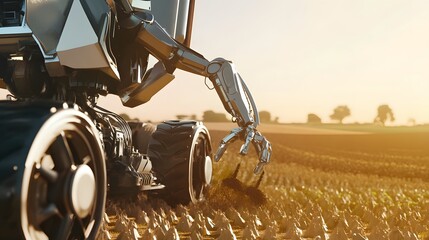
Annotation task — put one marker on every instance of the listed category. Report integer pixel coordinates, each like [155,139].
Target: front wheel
[55,158]
[180,152]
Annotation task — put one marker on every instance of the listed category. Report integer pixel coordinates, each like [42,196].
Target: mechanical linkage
[230,87]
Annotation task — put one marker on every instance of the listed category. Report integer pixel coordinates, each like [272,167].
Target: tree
[313,118]
[276,120]
[125,116]
[340,113]
[265,116]
[412,122]
[184,116]
[384,112]
[181,116]
[210,116]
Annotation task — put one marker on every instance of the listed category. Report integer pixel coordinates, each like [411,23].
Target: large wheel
[180,152]
[55,172]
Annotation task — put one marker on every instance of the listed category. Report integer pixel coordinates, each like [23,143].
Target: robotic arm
[230,87]
[238,101]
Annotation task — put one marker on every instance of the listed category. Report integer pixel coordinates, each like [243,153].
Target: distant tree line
[211,116]
[183,117]
[384,113]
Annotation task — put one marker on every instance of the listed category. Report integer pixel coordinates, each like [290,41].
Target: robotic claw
[230,87]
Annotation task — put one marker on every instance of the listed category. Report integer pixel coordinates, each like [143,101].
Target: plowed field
[321,186]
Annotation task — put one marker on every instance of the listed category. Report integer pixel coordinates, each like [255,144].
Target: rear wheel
[180,152]
[60,176]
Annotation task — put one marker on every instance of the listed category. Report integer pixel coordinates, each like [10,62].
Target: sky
[308,56]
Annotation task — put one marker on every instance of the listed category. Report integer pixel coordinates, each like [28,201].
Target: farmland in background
[339,183]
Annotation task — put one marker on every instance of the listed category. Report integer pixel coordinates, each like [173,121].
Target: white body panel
[79,45]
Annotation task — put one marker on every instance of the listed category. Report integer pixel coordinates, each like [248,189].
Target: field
[327,185]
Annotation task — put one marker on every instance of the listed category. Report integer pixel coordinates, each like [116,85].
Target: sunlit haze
[302,56]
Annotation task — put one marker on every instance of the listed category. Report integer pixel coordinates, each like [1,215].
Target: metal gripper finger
[220,151]
[249,138]
[225,142]
[264,150]
[259,168]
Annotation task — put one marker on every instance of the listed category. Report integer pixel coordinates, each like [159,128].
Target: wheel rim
[64,182]
[200,169]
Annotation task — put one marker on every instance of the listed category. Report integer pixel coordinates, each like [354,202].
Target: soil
[341,186]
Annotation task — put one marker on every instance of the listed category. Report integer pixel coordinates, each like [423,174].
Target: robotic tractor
[60,153]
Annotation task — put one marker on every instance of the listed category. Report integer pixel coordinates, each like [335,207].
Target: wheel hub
[208,170]
[82,190]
